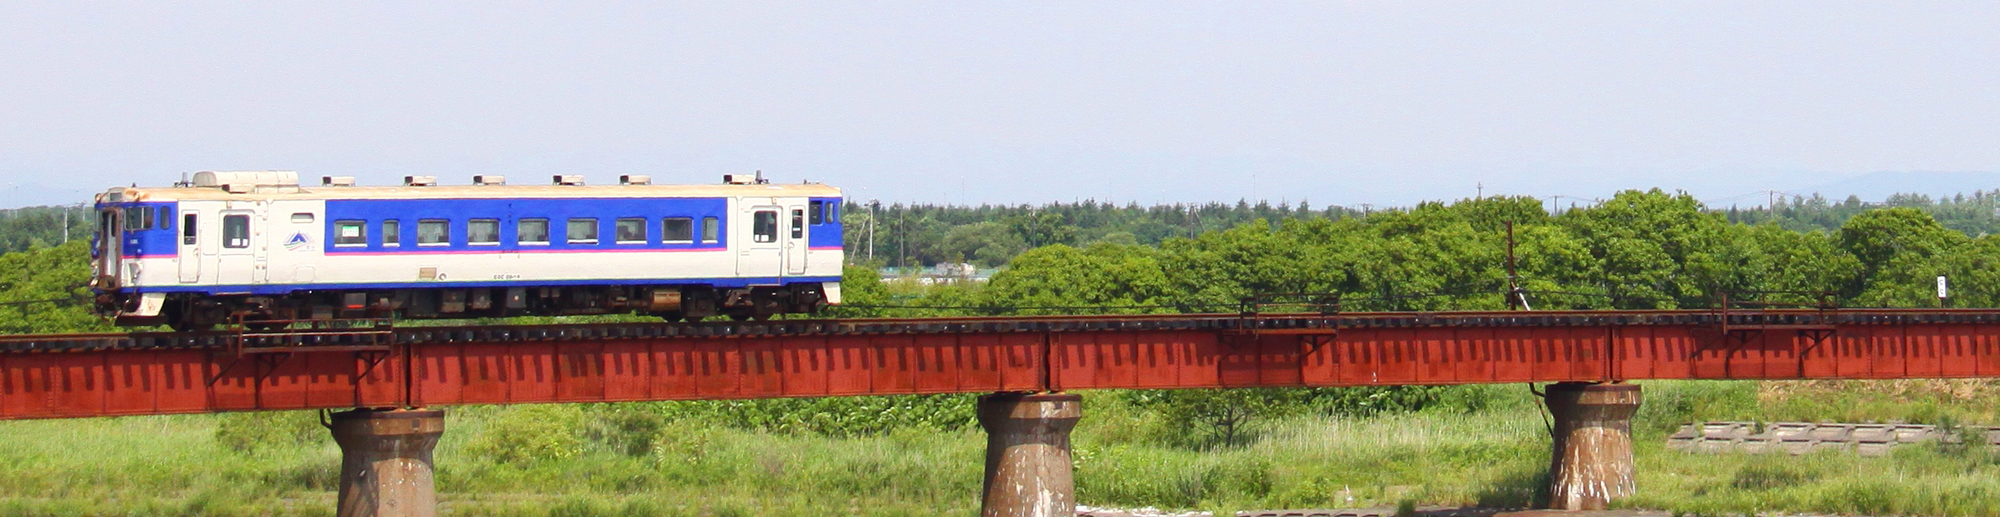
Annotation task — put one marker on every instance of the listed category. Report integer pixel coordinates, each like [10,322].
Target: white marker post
[1943,291]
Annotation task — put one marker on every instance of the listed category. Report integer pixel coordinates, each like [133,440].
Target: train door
[190,255]
[762,253]
[236,262]
[110,247]
[795,240]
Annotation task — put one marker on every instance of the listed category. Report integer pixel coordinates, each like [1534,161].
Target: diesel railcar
[260,249]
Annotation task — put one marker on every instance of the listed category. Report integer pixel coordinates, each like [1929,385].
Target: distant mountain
[1878,186]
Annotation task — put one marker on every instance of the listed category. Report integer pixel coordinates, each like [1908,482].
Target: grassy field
[663,459]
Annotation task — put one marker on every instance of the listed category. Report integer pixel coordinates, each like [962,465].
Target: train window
[166,219]
[631,230]
[235,231]
[138,218]
[832,212]
[433,232]
[798,224]
[350,233]
[677,229]
[392,232]
[533,231]
[764,226]
[711,230]
[187,229]
[482,231]
[302,218]
[818,211]
[582,230]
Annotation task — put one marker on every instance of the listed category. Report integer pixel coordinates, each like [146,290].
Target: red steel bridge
[87,375]
[390,380]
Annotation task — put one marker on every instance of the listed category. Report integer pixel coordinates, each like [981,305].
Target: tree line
[1638,250]
[919,235]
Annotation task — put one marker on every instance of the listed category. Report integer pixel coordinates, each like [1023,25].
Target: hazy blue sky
[1337,102]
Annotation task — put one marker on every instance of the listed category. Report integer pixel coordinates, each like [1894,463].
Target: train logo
[298,242]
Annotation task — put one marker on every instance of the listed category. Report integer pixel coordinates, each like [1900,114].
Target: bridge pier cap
[1028,468]
[1591,463]
[385,462]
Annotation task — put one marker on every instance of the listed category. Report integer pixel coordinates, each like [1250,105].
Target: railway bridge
[391,384]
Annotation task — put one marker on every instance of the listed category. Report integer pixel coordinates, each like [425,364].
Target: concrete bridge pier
[385,462]
[1592,460]
[1028,467]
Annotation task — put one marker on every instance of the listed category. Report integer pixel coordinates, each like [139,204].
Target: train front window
[582,230]
[138,218]
[677,229]
[433,232]
[764,226]
[818,211]
[482,231]
[350,233]
[534,231]
[711,230]
[631,230]
[236,231]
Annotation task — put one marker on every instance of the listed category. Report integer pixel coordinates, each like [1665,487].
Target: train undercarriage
[196,311]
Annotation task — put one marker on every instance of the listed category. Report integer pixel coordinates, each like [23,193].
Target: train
[258,250]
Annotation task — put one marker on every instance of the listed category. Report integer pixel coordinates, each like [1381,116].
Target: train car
[259,249]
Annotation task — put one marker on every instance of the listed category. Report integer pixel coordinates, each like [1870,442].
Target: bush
[525,434]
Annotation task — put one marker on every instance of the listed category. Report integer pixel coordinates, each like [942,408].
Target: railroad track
[1297,323]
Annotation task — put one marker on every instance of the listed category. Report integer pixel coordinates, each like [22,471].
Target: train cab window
[187,229]
[711,230]
[533,231]
[832,212]
[166,219]
[235,231]
[482,231]
[138,218]
[350,233]
[631,230]
[798,224]
[392,232]
[818,211]
[764,226]
[433,232]
[582,230]
[677,229]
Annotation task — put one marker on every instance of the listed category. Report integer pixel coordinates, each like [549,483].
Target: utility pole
[1517,298]
[872,205]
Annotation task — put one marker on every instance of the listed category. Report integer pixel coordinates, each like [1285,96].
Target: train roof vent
[420,181]
[336,181]
[489,179]
[635,179]
[568,179]
[246,181]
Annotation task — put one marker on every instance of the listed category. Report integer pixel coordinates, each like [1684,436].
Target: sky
[1333,102]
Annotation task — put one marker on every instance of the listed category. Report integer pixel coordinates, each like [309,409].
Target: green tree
[46,290]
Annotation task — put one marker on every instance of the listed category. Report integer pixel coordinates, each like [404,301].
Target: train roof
[275,192]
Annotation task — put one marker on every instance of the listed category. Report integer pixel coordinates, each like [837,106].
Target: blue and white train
[258,248]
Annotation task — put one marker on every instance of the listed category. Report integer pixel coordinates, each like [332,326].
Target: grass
[592,460]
